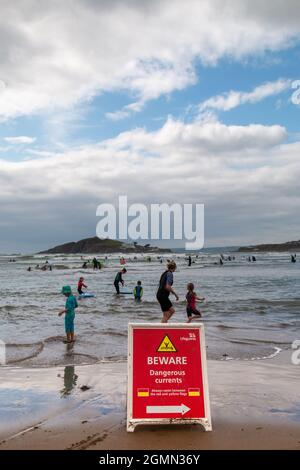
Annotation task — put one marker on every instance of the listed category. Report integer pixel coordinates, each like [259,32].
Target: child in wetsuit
[80,285]
[69,311]
[119,279]
[138,291]
[191,298]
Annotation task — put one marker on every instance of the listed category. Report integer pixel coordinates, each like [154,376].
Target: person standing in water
[119,279]
[138,291]
[190,260]
[164,290]
[95,263]
[191,297]
[69,311]
[80,285]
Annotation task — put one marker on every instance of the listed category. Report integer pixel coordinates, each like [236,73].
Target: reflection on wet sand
[70,380]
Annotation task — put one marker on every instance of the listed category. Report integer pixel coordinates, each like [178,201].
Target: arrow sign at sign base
[167,409]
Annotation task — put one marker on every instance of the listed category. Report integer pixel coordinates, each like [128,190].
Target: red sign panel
[167,373]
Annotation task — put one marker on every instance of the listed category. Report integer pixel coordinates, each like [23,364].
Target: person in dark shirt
[119,279]
[95,263]
[164,290]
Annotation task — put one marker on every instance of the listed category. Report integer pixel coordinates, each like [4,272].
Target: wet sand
[254,404]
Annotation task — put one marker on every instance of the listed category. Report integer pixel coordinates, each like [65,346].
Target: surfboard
[86,295]
[126,292]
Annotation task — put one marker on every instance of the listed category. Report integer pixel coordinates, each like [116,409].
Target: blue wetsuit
[71,304]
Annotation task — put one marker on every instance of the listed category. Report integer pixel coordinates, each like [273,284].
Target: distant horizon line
[173,249]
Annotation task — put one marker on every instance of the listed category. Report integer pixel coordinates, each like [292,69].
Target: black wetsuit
[117,281]
[162,293]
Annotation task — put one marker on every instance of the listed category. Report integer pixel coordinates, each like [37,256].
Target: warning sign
[167,375]
[166,345]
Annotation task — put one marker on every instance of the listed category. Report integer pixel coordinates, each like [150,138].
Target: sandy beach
[254,404]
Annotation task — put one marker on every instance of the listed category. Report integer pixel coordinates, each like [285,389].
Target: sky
[163,101]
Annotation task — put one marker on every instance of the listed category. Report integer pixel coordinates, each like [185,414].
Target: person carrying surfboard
[119,279]
[80,285]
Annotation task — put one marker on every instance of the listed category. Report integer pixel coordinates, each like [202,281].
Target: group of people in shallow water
[165,288]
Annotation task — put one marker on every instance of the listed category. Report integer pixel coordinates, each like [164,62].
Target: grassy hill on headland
[97,245]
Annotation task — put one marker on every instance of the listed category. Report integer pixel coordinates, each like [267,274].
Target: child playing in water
[81,285]
[69,311]
[138,291]
[119,279]
[191,298]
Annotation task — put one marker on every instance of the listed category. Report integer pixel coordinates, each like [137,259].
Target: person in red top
[191,298]
[81,285]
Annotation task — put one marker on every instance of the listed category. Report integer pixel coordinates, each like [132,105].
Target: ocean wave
[8,308]
[258,341]
[285,324]
[255,358]
[295,302]
[114,333]
[228,327]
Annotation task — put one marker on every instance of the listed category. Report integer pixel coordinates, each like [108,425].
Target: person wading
[164,290]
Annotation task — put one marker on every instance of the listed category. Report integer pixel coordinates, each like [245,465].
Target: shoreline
[254,405]
[23,363]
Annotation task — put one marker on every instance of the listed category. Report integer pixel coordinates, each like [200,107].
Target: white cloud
[245,175]
[54,55]
[22,139]
[117,115]
[232,99]
[204,135]
[125,112]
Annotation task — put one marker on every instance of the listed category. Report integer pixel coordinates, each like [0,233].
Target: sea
[251,309]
